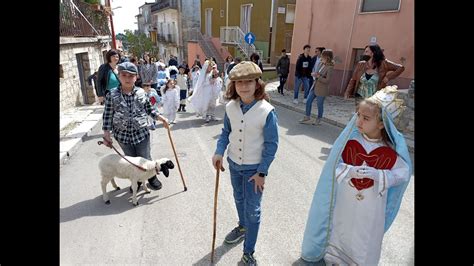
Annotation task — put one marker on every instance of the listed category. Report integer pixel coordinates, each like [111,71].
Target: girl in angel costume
[206,91]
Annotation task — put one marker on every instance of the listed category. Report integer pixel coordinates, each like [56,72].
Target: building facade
[144,19]
[347,26]
[84,39]
[226,22]
[170,23]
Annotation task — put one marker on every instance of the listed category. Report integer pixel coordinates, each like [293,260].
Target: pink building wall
[222,51]
[194,49]
[338,25]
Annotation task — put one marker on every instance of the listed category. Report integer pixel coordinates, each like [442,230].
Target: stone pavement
[76,123]
[337,110]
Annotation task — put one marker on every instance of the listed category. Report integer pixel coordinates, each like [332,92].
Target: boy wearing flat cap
[126,112]
[251,132]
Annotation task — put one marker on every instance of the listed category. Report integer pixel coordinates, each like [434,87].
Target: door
[209,22]
[84,70]
[245,14]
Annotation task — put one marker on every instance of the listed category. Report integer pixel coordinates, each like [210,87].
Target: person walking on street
[170,100]
[321,87]
[107,78]
[148,72]
[302,73]
[182,81]
[155,101]
[283,68]
[251,131]
[315,64]
[125,114]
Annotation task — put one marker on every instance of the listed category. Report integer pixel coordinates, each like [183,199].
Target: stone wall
[70,93]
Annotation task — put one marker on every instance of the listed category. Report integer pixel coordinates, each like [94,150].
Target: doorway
[208,20]
[245,15]
[84,70]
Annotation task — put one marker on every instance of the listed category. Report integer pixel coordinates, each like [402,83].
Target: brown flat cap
[244,71]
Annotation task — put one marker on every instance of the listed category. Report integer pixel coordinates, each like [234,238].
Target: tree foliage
[124,40]
[139,43]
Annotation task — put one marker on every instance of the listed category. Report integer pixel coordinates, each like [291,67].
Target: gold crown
[387,98]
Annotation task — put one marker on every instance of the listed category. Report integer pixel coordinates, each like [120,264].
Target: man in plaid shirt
[126,111]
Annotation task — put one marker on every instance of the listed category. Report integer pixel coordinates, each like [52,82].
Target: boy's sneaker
[235,235]
[249,259]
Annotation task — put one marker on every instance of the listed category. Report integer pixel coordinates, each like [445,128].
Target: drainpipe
[348,47]
[310,24]
[271,31]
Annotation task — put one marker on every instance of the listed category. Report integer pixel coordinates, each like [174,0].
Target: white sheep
[112,165]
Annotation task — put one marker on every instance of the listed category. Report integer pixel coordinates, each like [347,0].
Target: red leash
[137,166]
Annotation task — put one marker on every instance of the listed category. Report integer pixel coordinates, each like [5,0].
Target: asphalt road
[172,227]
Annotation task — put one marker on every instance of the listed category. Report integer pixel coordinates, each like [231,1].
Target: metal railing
[79,19]
[206,44]
[171,38]
[235,35]
[161,38]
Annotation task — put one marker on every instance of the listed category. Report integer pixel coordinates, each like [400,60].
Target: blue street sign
[249,38]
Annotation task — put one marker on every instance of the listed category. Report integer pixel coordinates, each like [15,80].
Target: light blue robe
[318,227]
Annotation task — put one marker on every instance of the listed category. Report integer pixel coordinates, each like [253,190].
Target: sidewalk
[74,125]
[77,123]
[337,110]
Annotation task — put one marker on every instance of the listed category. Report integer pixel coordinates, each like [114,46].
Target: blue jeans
[247,203]
[319,102]
[298,81]
[141,149]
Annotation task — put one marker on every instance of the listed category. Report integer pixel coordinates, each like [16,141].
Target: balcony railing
[162,4]
[83,21]
[167,38]
[171,38]
[235,35]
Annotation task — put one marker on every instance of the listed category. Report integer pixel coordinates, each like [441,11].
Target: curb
[70,143]
[410,143]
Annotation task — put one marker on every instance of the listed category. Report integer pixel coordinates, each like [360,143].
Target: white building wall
[167,23]
[70,94]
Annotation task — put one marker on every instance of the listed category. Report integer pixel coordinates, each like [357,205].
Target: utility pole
[114,45]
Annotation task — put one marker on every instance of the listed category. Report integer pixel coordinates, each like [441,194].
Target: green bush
[92,2]
[269,75]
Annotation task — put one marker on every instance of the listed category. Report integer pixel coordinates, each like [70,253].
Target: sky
[124,17]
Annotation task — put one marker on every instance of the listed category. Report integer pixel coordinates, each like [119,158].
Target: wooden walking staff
[176,156]
[219,168]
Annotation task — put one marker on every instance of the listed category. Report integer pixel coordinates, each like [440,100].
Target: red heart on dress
[380,158]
